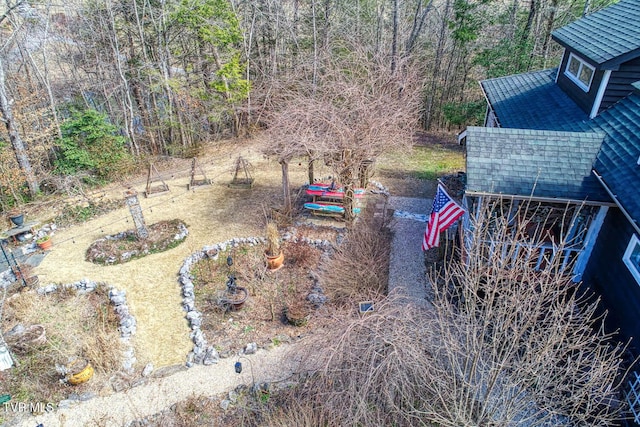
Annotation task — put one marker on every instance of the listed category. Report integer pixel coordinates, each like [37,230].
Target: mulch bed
[126,246]
[272,295]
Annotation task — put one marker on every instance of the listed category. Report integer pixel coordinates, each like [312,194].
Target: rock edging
[202,352]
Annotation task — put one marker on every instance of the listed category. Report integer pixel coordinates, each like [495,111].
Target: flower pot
[45,245]
[275,262]
[17,219]
[234,301]
[296,315]
[30,338]
[80,371]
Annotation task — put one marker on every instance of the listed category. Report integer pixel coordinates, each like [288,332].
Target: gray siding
[583,99]
[607,274]
[620,83]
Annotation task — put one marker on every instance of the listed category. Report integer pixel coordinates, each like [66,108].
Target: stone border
[124,257]
[202,352]
[127,322]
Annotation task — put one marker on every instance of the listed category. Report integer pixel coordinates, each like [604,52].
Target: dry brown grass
[75,326]
[359,269]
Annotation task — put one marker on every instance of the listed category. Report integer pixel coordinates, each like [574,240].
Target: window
[580,72]
[632,257]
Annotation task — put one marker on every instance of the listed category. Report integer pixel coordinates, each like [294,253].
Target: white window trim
[627,258]
[575,79]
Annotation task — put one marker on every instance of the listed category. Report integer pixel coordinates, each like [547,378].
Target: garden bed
[48,330]
[282,304]
[126,246]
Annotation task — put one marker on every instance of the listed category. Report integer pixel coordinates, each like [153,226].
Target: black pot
[17,219]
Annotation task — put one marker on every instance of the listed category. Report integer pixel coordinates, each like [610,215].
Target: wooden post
[131,198]
[285,185]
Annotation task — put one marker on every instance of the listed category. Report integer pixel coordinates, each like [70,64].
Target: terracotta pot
[45,245]
[275,262]
[296,315]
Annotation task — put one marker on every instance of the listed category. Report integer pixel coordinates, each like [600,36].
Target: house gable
[606,38]
[601,56]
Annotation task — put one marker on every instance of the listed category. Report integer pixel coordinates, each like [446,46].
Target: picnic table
[323,192]
[327,200]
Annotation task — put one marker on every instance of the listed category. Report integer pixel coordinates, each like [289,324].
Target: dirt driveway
[212,213]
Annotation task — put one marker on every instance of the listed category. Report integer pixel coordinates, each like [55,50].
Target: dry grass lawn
[212,213]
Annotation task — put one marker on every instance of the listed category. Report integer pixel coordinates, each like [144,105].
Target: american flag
[444,213]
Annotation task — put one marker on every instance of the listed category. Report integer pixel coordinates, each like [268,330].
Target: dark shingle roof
[607,37]
[617,160]
[514,161]
[533,101]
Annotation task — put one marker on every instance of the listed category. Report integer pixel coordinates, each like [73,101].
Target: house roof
[617,161]
[538,163]
[607,37]
[533,101]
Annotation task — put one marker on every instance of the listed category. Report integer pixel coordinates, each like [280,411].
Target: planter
[275,262]
[80,371]
[44,244]
[234,301]
[29,338]
[296,314]
[17,219]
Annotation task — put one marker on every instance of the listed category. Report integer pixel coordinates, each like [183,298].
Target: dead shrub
[301,254]
[360,266]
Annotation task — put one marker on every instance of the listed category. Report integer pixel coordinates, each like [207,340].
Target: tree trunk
[311,169]
[14,137]
[285,186]
[549,27]
[394,41]
[349,216]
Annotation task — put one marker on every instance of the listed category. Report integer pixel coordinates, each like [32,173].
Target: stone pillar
[131,198]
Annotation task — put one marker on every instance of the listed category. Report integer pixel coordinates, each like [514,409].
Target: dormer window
[579,72]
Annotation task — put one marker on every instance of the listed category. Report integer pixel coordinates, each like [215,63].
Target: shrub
[90,143]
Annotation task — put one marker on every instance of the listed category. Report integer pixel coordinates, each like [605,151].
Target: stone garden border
[204,353]
[127,323]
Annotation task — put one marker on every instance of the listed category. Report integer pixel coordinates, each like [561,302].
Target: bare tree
[14,136]
[357,110]
[504,344]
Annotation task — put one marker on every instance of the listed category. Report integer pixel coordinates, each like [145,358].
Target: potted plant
[297,312]
[44,242]
[16,217]
[275,256]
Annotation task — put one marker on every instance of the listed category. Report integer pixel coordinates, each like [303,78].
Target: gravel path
[407,271]
[158,394]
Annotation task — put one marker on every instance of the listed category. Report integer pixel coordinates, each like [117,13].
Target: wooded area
[89,88]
